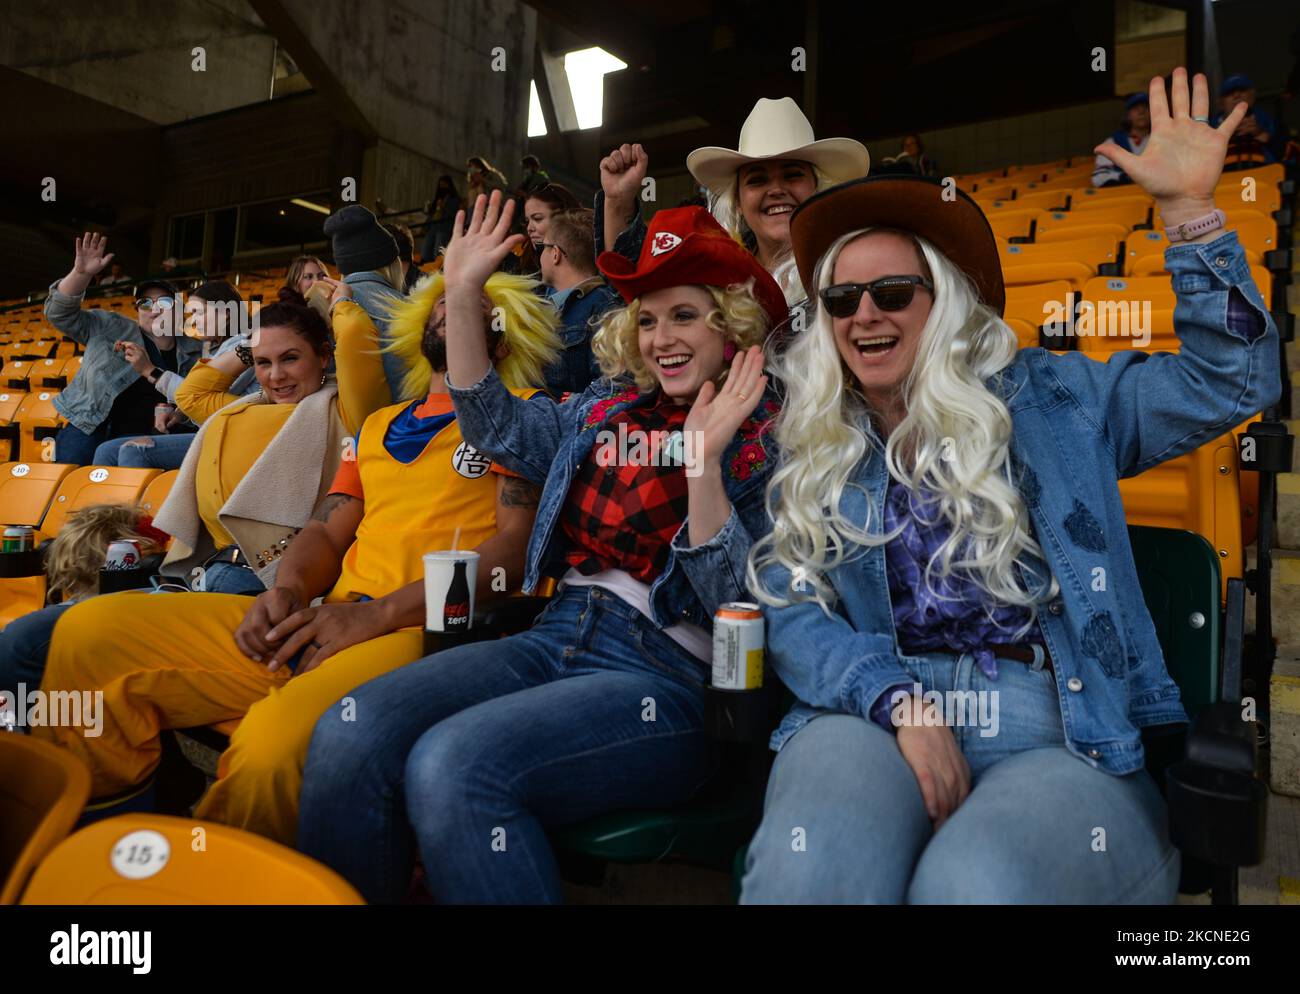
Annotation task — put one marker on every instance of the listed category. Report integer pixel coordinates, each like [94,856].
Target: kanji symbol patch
[469,462]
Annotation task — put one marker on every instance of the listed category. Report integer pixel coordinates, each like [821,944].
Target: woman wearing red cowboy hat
[949,536]
[653,482]
[753,189]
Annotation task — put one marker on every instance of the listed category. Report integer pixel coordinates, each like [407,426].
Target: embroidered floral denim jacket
[546,442]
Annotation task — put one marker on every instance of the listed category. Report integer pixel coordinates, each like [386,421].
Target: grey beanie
[360,243]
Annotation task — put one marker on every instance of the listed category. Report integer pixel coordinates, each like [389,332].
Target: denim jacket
[87,400]
[575,368]
[376,298]
[1078,427]
[546,443]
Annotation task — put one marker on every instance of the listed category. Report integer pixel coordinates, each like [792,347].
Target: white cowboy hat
[778,129]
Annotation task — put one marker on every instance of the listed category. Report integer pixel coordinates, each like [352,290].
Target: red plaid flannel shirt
[620,516]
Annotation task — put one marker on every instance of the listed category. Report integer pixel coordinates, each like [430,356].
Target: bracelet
[245,353]
[1196,227]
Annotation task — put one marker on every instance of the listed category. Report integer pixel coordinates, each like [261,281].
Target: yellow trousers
[170,661]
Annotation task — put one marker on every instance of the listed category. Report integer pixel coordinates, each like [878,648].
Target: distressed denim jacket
[87,400]
[1078,427]
[546,443]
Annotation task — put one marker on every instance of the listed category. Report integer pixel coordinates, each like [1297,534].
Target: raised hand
[91,259]
[717,415]
[1183,158]
[475,252]
[622,171]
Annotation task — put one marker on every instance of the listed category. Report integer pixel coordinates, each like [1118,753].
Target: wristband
[154,375]
[1196,227]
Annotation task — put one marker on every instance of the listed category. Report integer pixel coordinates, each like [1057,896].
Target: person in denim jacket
[599,705]
[108,397]
[948,535]
[579,296]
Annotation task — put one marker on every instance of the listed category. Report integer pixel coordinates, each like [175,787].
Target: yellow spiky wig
[530,331]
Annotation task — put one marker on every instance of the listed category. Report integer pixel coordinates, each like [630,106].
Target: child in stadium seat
[1255,140]
[108,397]
[368,262]
[210,311]
[984,665]
[257,468]
[600,704]
[411,485]
[72,565]
[752,189]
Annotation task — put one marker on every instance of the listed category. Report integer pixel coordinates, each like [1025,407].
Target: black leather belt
[1023,654]
[231,554]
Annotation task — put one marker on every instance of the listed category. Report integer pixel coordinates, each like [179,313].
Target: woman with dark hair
[442,212]
[541,204]
[258,468]
[213,316]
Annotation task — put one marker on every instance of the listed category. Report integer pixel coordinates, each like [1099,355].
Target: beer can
[19,538]
[738,647]
[123,554]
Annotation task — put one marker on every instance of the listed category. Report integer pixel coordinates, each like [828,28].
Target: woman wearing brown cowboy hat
[753,189]
[949,585]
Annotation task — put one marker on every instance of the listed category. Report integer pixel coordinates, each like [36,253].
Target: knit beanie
[360,243]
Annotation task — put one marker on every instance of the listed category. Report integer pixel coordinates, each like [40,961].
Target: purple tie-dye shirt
[945,614]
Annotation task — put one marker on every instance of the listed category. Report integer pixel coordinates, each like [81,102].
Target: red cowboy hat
[685,246]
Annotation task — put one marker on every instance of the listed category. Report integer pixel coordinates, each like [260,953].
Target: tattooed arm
[516,506]
[310,566]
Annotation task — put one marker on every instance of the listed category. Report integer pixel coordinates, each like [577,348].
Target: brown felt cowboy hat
[942,215]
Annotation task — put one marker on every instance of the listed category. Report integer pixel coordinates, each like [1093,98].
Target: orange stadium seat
[42,791]
[157,490]
[1068,226]
[187,862]
[1093,252]
[87,485]
[1016,224]
[1131,212]
[37,420]
[1017,273]
[1029,303]
[1200,491]
[996,190]
[1026,333]
[26,492]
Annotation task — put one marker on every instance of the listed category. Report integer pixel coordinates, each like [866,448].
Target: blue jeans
[23,645]
[160,452]
[480,748]
[72,445]
[844,821]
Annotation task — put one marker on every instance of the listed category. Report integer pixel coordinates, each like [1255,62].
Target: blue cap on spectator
[1136,98]
[1237,81]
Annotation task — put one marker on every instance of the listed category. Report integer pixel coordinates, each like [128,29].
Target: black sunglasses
[890,293]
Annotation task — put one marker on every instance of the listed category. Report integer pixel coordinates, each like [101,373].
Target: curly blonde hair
[74,558]
[738,317]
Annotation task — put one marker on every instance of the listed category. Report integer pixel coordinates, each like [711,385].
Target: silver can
[738,647]
[123,554]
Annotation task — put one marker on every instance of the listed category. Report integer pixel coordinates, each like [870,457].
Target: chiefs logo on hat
[664,241]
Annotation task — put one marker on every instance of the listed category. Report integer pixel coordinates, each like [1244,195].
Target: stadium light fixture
[536,119]
[586,70]
[310,206]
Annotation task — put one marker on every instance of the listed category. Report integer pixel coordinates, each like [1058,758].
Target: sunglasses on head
[149,304]
[890,293]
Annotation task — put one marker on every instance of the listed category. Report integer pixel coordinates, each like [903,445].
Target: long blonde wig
[737,316]
[529,323]
[725,208]
[953,442]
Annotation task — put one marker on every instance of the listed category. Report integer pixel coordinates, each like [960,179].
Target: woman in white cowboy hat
[753,189]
